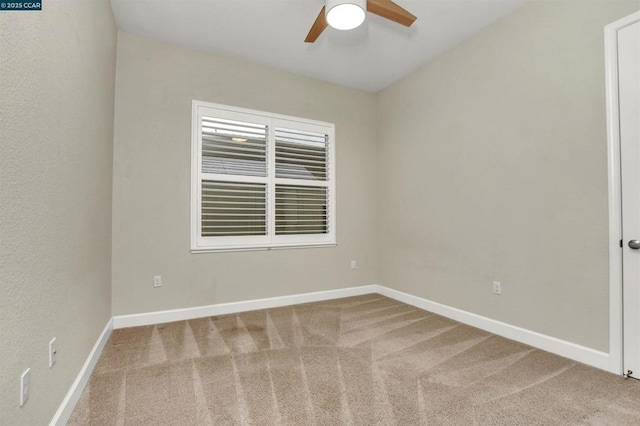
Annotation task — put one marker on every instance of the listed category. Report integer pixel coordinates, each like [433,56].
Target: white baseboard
[560,347]
[554,345]
[123,321]
[71,399]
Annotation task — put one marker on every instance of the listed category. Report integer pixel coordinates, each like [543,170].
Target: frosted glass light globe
[345,14]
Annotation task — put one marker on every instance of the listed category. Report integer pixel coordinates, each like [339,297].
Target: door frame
[615,191]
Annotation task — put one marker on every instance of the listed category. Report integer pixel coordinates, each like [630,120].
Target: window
[260,180]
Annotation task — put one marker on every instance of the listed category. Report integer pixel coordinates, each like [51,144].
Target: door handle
[634,244]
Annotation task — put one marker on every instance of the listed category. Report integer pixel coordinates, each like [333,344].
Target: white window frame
[201,244]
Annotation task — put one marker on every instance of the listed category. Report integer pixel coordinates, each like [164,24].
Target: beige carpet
[362,360]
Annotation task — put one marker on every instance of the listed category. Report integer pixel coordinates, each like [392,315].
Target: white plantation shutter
[230,208]
[233,147]
[301,155]
[260,180]
[301,210]
[302,195]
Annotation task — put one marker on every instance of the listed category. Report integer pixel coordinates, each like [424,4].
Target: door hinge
[620,243]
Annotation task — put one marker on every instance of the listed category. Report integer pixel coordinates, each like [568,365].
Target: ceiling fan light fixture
[346,14]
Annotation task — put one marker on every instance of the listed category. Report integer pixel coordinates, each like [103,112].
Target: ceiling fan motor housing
[345,14]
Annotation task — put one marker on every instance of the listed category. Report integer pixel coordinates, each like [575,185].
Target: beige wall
[493,166]
[489,163]
[57,75]
[155,85]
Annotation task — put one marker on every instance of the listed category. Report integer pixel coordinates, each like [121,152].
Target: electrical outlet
[52,352]
[497,287]
[157,281]
[24,386]
[354,265]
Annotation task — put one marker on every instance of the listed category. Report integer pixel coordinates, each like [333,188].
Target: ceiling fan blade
[390,10]
[317,28]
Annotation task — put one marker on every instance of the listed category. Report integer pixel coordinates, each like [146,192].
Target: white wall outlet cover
[157,281]
[354,264]
[52,352]
[24,386]
[497,287]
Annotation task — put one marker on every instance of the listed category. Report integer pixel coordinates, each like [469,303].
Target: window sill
[279,247]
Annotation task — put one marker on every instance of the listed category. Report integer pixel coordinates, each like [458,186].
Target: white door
[629,110]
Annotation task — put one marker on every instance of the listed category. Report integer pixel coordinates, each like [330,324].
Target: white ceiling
[272,32]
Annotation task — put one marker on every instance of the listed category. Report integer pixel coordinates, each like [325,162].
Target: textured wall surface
[57,76]
[493,166]
[155,85]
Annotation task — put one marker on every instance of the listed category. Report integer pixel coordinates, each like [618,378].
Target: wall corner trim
[554,345]
[159,317]
[61,417]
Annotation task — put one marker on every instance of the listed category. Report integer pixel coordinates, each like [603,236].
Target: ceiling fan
[348,14]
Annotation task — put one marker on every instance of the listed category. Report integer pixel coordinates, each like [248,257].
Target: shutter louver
[301,210]
[233,147]
[301,154]
[233,209]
